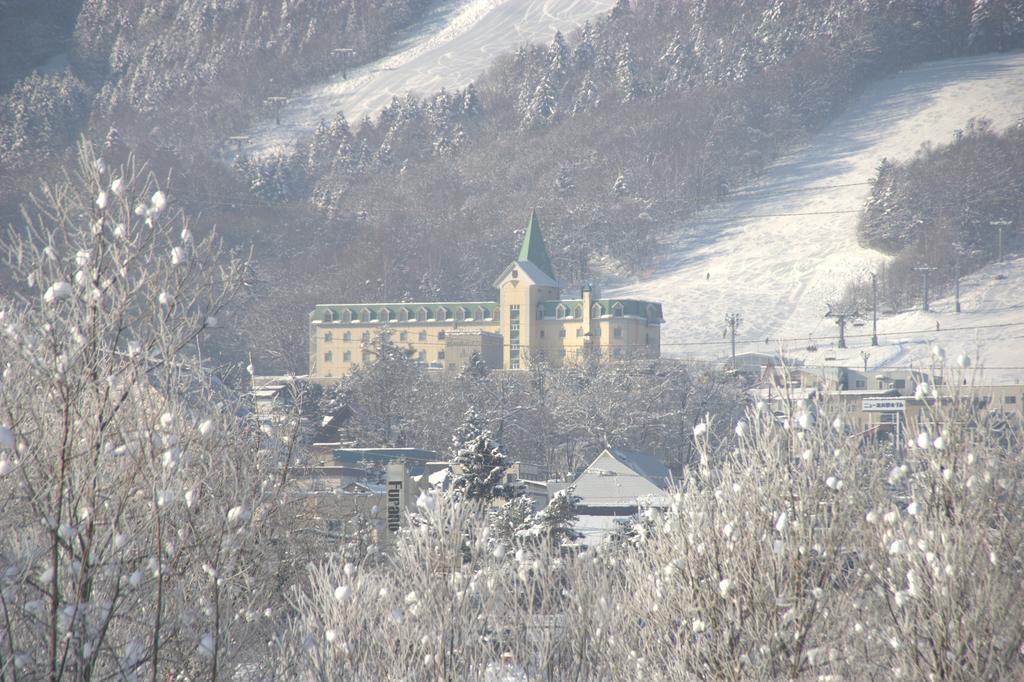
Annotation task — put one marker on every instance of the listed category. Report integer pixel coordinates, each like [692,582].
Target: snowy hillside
[777,250]
[454,45]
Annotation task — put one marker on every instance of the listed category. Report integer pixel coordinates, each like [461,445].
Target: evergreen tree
[555,523]
[478,461]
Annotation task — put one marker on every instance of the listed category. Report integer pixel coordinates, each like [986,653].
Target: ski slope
[777,250]
[449,49]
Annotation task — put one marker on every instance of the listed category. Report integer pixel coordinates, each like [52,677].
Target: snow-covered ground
[450,48]
[776,270]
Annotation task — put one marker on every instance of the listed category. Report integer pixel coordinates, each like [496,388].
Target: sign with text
[885,405]
[396,495]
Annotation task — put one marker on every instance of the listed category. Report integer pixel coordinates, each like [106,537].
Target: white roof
[528,271]
[618,478]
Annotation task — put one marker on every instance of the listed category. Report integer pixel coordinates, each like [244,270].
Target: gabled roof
[647,466]
[533,249]
[619,478]
[533,273]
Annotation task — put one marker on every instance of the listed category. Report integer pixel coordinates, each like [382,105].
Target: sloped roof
[631,307]
[378,310]
[533,249]
[619,478]
[531,271]
[645,465]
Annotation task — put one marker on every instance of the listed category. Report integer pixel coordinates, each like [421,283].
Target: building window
[366,357]
[366,336]
[561,333]
[440,355]
[347,356]
[513,337]
[578,312]
[617,310]
[422,356]
[647,339]
[440,335]
[403,315]
[328,315]
[421,314]
[595,310]
[403,336]
[460,314]
[451,365]
[346,315]
[597,331]
[617,332]
[542,333]
[579,332]
[480,313]
[652,313]
[540,311]
[899,383]
[423,336]
[384,315]
[442,314]
[328,356]
[560,312]
[347,336]
[364,315]
[1010,400]
[327,337]
[859,383]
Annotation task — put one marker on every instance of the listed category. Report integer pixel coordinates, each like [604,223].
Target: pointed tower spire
[533,249]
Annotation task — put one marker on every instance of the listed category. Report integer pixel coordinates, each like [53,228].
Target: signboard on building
[885,405]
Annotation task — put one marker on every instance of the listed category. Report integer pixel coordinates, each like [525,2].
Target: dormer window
[617,310]
[652,313]
[384,315]
[346,315]
[328,315]
[595,310]
[421,315]
[403,315]
[578,312]
[560,312]
[442,314]
[481,314]
[364,315]
[460,314]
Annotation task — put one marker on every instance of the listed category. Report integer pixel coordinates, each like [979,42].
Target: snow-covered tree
[138,507]
[477,460]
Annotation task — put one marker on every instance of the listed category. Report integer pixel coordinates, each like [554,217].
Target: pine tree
[478,461]
[555,523]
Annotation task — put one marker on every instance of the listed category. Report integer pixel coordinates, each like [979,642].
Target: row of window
[402,336]
[347,356]
[564,312]
[404,315]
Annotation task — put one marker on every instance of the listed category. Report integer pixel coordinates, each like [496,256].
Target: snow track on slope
[455,44]
[777,270]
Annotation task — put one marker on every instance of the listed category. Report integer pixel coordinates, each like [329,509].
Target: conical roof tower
[533,249]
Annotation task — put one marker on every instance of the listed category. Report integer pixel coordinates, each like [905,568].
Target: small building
[616,486]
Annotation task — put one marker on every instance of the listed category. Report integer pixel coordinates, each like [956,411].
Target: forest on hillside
[954,207]
[616,133]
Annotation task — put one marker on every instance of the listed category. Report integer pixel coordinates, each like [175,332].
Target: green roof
[630,307]
[381,313]
[533,249]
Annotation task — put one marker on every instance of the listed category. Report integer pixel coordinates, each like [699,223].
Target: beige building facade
[530,322]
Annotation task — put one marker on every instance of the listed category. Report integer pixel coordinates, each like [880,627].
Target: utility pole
[841,318]
[277,103]
[864,355]
[1000,224]
[344,53]
[734,320]
[925,270]
[874,309]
